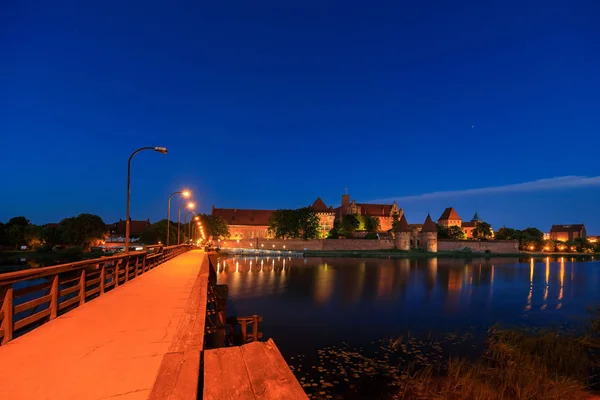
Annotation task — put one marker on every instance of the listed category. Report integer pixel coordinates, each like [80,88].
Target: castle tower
[429,235]
[402,239]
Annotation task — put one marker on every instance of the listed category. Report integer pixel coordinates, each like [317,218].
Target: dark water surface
[313,303]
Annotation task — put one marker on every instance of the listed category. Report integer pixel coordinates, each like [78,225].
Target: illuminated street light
[189,205]
[184,193]
[162,150]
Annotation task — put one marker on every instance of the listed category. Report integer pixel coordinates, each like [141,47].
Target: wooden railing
[31,297]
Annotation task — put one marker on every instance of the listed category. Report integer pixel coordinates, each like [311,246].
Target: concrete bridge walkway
[109,348]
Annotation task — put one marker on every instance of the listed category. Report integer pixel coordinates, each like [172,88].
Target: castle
[252,224]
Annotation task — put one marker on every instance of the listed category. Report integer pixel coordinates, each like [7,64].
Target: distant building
[450,218]
[384,212]
[245,223]
[469,226]
[567,233]
[326,216]
[592,239]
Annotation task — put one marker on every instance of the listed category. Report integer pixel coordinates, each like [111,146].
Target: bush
[371,236]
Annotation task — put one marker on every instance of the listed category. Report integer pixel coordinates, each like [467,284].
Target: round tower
[429,236]
[402,239]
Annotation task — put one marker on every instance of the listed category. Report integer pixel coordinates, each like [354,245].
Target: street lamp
[188,205]
[185,222]
[162,150]
[184,193]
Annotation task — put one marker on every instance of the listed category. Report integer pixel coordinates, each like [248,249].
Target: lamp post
[188,205]
[185,220]
[196,218]
[184,193]
[162,150]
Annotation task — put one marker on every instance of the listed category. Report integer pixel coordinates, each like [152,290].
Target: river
[310,303]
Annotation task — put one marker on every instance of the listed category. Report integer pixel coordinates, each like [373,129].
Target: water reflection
[326,298]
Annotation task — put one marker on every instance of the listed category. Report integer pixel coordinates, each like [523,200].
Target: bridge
[143,325]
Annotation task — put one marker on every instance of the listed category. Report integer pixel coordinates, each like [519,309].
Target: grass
[515,365]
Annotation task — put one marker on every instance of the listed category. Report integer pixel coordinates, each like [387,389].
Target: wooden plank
[92,282]
[69,290]
[31,319]
[32,303]
[32,289]
[1,332]
[68,303]
[1,315]
[177,377]
[270,376]
[190,330]
[92,291]
[225,375]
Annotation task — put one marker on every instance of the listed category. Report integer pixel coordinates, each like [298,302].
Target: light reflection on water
[317,302]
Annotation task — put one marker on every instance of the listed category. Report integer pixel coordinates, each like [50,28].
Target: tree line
[86,230]
[82,230]
[214,226]
[532,239]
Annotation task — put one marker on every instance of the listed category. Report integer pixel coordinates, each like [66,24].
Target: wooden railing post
[254,328]
[7,322]
[82,287]
[54,297]
[116,272]
[144,263]
[127,261]
[102,278]
[137,265]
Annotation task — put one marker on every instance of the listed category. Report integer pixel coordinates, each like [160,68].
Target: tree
[15,230]
[157,233]
[508,234]
[215,226]
[51,236]
[283,224]
[349,225]
[309,223]
[294,224]
[533,234]
[456,233]
[82,230]
[483,230]
[442,232]
[372,224]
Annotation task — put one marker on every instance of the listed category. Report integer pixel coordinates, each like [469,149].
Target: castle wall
[402,240]
[429,241]
[495,246]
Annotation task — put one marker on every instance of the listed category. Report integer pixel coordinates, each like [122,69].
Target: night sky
[269,104]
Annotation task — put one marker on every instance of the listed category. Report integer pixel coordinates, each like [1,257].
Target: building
[450,218]
[567,233]
[245,223]
[326,216]
[384,212]
[469,226]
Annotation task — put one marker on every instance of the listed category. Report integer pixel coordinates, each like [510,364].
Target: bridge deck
[109,348]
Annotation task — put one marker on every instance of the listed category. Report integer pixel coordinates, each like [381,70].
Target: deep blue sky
[271,104]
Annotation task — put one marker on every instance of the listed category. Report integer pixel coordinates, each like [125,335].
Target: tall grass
[515,365]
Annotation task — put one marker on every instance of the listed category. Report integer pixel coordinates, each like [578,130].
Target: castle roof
[449,213]
[375,210]
[320,206]
[568,228]
[476,218]
[429,225]
[236,216]
[403,225]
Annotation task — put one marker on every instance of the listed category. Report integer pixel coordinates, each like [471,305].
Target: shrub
[371,236]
